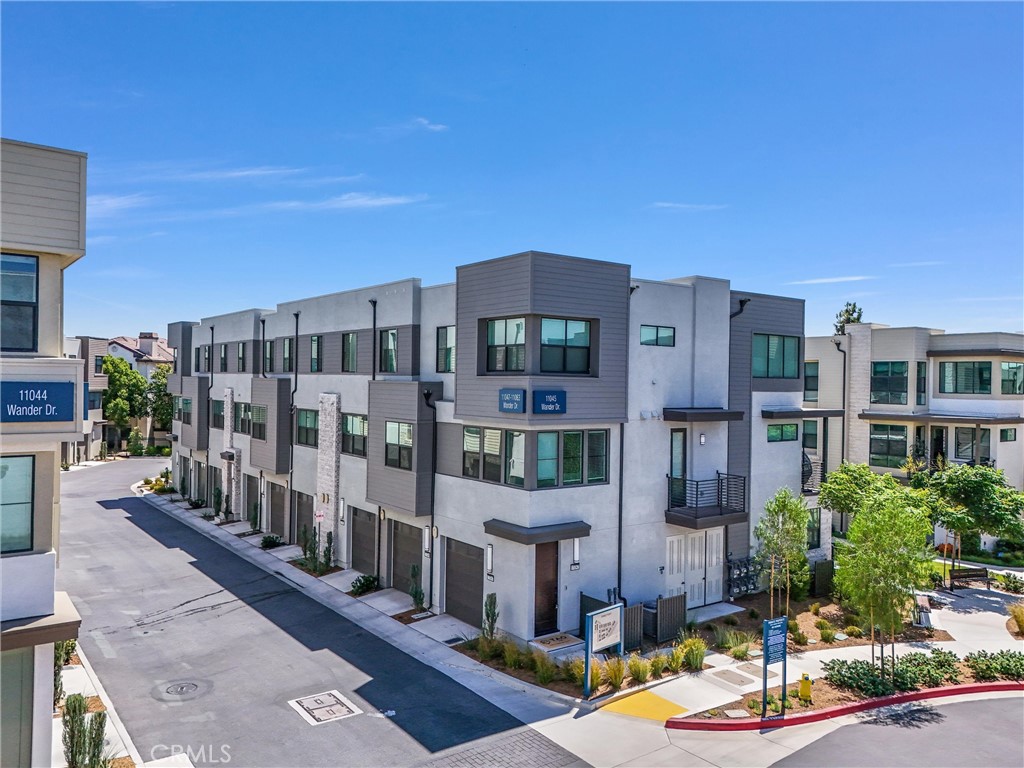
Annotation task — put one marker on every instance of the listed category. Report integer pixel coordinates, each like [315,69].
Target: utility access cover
[324,707]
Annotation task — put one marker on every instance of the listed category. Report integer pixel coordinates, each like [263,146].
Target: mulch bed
[92,704]
[406,617]
[527,676]
[122,762]
[304,569]
[1011,627]
[75,661]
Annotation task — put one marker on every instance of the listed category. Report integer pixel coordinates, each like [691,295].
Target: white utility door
[675,564]
[715,562]
[695,561]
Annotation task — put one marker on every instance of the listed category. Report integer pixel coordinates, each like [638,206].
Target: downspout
[747,437]
[263,348]
[291,421]
[209,422]
[373,363]
[622,469]
[427,395]
[842,434]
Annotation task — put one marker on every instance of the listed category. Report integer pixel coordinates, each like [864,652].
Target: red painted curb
[694,724]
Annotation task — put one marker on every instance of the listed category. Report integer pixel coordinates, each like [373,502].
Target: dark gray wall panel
[197,434]
[272,454]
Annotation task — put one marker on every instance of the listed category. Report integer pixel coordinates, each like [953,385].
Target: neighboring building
[919,392]
[143,353]
[89,445]
[504,433]
[42,218]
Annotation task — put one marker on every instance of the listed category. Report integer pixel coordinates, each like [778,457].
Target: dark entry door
[545,620]
[405,553]
[252,498]
[277,509]
[305,520]
[364,541]
[938,446]
[464,582]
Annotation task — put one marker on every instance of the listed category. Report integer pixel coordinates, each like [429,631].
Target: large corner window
[307,427]
[268,356]
[922,383]
[243,418]
[353,434]
[515,458]
[889,382]
[811,381]
[186,410]
[471,451]
[259,422]
[1012,379]
[597,456]
[349,352]
[217,414]
[223,358]
[241,357]
[564,346]
[888,445]
[964,444]
[17,480]
[398,444]
[775,357]
[782,433]
[547,459]
[19,303]
[572,458]
[446,349]
[657,336]
[316,347]
[389,350]
[971,378]
[506,344]
[287,358]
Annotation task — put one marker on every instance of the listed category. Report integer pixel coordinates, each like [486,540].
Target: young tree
[847,488]
[782,536]
[848,315]
[161,403]
[125,397]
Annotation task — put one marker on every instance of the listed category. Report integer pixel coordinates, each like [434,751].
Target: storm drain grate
[180,689]
[324,707]
[453,641]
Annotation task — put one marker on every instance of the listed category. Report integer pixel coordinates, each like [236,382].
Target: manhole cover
[180,689]
[324,707]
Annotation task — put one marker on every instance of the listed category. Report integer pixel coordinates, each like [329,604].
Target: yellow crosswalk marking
[647,705]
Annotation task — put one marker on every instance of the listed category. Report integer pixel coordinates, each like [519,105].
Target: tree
[782,536]
[847,488]
[848,315]
[161,403]
[125,397]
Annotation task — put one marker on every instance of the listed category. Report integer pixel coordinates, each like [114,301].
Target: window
[398,444]
[17,486]
[922,383]
[888,445]
[597,456]
[506,344]
[657,336]
[547,459]
[485,443]
[243,418]
[781,433]
[286,355]
[965,378]
[964,447]
[889,383]
[776,357]
[515,458]
[207,358]
[217,414]
[195,368]
[186,410]
[95,400]
[492,455]
[307,427]
[1007,435]
[389,350]
[349,352]
[223,358]
[97,364]
[814,528]
[315,351]
[259,422]
[353,434]
[811,382]
[811,435]
[241,356]
[268,356]
[572,458]
[19,307]
[446,349]
[564,346]
[1012,379]
[471,451]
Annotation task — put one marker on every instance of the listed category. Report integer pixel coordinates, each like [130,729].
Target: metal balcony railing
[812,475]
[725,492]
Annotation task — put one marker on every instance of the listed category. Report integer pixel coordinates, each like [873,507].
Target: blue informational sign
[37,401]
[512,401]
[773,641]
[549,401]
[605,628]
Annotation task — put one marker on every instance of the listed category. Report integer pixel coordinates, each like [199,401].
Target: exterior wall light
[426,540]
[703,438]
[489,561]
[575,565]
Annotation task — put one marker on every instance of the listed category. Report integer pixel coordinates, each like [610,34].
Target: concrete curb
[692,724]
[112,716]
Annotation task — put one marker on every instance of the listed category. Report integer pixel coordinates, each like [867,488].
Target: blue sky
[246,154]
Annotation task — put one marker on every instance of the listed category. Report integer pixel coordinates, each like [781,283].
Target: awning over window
[789,412]
[948,418]
[700,414]
[540,534]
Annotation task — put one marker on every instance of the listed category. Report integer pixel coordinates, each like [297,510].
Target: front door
[715,557]
[545,619]
[675,565]
[696,551]
[938,445]
[364,541]
[406,551]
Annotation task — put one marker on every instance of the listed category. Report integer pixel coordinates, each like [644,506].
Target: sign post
[773,639]
[603,630]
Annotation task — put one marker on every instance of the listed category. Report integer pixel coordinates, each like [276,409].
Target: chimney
[146,342]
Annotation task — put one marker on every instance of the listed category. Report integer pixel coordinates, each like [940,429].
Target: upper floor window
[584,458]
[307,427]
[446,349]
[887,445]
[811,435]
[776,357]
[223,358]
[286,355]
[315,354]
[186,410]
[922,383]
[97,364]
[547,458]
[814,528]
[506,344]
[17,486]
[811,381]
[389,350]
[398,444]
[1012,379]
[353,434]
[349,352]
[965,378]
[95,400]
[241,356]
[19,303]
[564,346]
[964,438]
[243,418]
[1007,434]
[481,453]
[207,358]
[889,383]
[259,422]
[268,356]
[198,355]
[657,336]
[515,458]
[782,433]
[217,414]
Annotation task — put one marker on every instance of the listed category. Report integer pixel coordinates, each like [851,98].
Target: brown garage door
[304,517]
[277,509]
[405,553]
[252,498]
[364,541]
[464,582]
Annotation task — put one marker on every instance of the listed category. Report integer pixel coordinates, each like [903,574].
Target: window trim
[1008,434]
[504,347]
[18,303]
[817,381]
[901,457]
[1004,368]
[445,362]
[810,430]
[223,358]
[976,365]
[496,462]
[31,502]
[365,436]
[287,357]
[350,348]
[980,438]
[583,462]
[893,381]
[305,434]
[186,410]
[657,335]
[97,365]
[316,354]
[564,347]
[403,453]
[782,433]
[258,427]
[383,349]
[814,524]
[242,417]
[922,383]
[216,418]
[241,357]
[768,356]
[268,355]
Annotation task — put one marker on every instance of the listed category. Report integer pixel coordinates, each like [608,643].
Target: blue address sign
[512,401]
[37,401]
[549,401]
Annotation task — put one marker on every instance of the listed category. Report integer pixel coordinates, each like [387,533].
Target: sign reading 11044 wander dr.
[37,401]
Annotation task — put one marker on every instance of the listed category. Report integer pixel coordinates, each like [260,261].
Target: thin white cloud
[689,206]
[341,202]
[824,280]
[415,125]
[324,180]
[918,264]
[234,174]
[108,206]
[989,298]
[422,122]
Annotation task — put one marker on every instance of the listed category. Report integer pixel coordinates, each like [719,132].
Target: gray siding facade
[272,454]
[197,434]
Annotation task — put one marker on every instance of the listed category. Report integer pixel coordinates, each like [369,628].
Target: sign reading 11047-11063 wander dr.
[37,401]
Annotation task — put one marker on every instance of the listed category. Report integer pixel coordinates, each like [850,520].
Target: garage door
[406,546]
[252,498]
[364,541]
[304,517]
[277,509]
[464,582]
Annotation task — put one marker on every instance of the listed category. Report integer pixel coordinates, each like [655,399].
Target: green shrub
[165,451]
[799,638]
[511,656]
[615,672]
[415,588]
[676,660]
[197,503]
[753,613]
[573,669]
[816,608]
[639,668]
[1013,583]
[988,666]
[823,624]
[1017,614]
[490,648]
[693,653]
[271,541]
[82,738]
[135,444]
[595,674]
[65,649]
[365,584]
[741,652]
[730,620]
[544,667]
[828,635]
[862,676]
[490,614]
[854,631]
[658,663]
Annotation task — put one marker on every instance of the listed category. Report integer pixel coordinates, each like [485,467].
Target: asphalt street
[201,652]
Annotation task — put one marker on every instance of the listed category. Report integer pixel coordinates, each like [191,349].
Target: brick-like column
[328,447]
[234,469]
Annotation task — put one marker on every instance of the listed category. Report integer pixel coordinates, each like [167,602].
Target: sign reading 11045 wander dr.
[37,401]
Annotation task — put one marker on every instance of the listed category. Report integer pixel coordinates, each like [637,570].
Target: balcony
[700,504]
[812,475]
